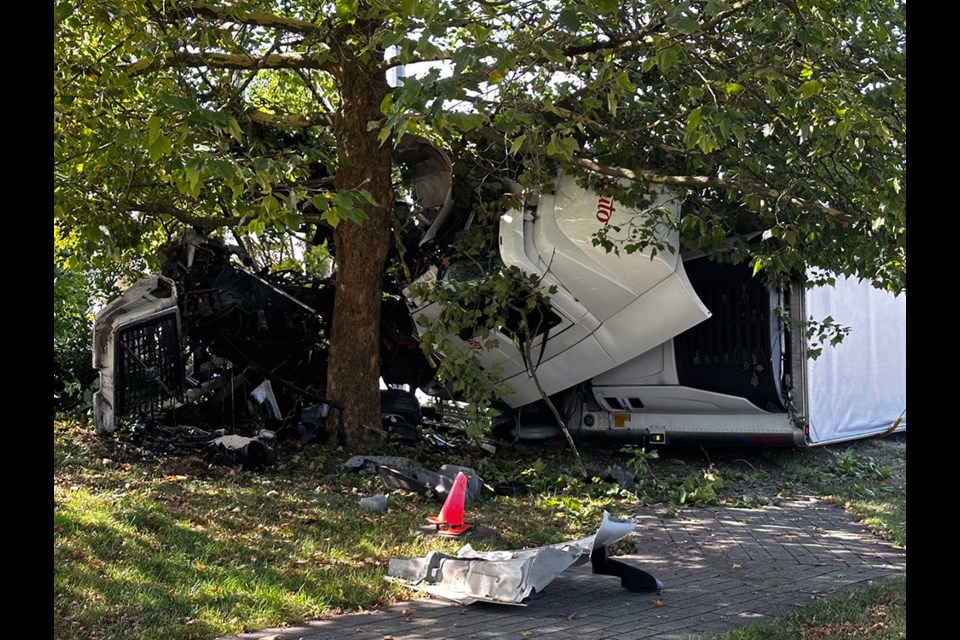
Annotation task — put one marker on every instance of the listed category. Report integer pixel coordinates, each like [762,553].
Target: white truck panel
[859,387]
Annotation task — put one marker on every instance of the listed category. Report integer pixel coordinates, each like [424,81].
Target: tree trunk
[361,251]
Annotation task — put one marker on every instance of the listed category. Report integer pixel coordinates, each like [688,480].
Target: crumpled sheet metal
[504,577]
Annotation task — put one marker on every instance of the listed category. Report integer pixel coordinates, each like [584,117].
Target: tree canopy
[781,118]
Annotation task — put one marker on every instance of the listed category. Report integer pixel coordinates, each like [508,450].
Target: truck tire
[502,427]
[397,405]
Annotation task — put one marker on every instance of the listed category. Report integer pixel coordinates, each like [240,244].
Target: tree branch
[707,181]
[207,222]
[399,61]
[208,11]
[293,120]
[726,13]
[572,116]
[227,61]
[181,215]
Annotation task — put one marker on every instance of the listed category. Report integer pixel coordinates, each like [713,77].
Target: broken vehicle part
[211,317]
[397,472]
[215,446]
[376,504]
[625,478]
[136,342]
[253,454]
[510,577]
[312,421]
[664,346]
[209,330]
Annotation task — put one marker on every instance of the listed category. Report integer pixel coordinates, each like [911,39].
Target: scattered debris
[511,489]
[203,447]
[377,504]
[511,577]
[397,472]
[232,450]
[623,477]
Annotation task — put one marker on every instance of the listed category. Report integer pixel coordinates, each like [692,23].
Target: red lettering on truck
[605,209]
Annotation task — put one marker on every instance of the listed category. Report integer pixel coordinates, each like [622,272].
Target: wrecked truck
[673,347]
[657,347]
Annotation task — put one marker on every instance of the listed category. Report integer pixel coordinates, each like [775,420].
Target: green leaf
[714,7]
[321,202]
[235,129]
[623,80]
[667,57]
[62,11]
[465,121]
[683,24]
[733,88]
[604,6]
[517,144]
[569,20]
[153,130]
[346,8]
[561,146]
[810,88]
[270,205]
[193,180]
[757,266]
[159,148]
[367,197]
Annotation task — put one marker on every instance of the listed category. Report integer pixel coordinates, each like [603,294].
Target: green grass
[174,548]
[878,613]
[159,546]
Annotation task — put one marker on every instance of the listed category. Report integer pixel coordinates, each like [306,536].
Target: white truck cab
[664,346]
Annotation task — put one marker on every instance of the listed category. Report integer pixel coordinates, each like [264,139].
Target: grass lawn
[155,546]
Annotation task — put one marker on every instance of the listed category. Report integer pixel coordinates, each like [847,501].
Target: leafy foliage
[781,125]
[698,488]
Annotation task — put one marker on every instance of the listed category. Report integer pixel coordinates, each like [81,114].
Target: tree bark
[360,252]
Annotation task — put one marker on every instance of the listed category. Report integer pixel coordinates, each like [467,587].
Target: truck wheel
[397,405]
[503,426]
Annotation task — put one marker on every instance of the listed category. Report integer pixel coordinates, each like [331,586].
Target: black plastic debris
[626,479]
[253,454]
[397,472]
[511,489]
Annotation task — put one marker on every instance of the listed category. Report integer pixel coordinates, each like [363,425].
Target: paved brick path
[721,568]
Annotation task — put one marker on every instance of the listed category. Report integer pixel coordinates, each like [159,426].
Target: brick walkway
[721,568]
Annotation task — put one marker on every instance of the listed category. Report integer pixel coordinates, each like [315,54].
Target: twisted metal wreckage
[194,342]
[511,577]
[660,347]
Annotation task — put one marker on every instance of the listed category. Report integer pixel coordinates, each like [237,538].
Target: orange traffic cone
[450,521]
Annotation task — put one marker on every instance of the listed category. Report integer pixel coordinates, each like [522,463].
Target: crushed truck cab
[661,345]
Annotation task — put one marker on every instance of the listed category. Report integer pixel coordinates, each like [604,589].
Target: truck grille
[149,365]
